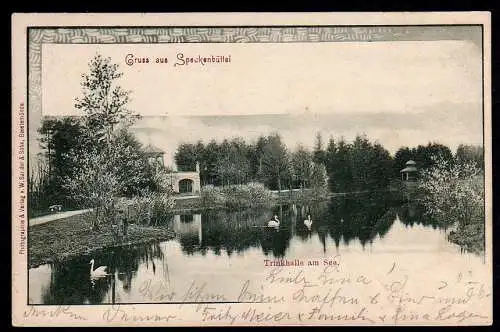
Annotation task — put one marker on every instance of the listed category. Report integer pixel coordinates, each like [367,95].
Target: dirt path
[55,216]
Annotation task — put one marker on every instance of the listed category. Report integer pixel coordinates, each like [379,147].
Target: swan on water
[308,222]
[275,222]
[98,272]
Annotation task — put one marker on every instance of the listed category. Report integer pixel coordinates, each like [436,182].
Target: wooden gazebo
[409,173]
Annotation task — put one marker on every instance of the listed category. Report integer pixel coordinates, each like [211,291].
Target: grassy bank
[63,239]
[235,197]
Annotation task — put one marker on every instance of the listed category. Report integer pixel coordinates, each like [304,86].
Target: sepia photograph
[218,166]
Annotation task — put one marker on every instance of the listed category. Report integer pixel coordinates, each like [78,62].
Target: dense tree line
[357,166]
[235,161]
[349,166]
[425,156]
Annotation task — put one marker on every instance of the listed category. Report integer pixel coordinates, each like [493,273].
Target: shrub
[148,207]
[212,196]
[453,195]
[251,194]
[258,194]
[236,196]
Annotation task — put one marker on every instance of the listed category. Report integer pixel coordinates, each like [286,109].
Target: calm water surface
[223,248]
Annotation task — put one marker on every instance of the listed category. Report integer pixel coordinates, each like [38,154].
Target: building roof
[410,163]
[150,149]
[409,169]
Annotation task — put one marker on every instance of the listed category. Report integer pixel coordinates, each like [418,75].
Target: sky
[400,93]
[275,78]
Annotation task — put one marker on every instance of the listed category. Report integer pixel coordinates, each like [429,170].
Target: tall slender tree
[331,164]
[275,162]
[319,152]
[103,101]
[302,166]
[99,179]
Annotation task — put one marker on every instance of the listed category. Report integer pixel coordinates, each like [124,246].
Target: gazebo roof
[409,169]
[410,163]
[150,149]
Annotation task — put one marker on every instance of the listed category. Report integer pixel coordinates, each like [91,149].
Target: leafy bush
[236,196]
[258,193]
[248,195]
[453,195]
[212,196]
[148,207]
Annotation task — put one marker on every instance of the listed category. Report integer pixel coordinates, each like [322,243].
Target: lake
[218,249]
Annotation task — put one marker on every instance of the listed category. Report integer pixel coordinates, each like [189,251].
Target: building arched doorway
[185,186]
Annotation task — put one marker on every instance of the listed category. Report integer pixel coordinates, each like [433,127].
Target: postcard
[251,169]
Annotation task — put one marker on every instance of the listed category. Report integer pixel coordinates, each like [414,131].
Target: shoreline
[63,258]
[63,239]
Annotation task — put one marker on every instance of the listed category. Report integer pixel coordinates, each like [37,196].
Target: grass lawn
[64,238]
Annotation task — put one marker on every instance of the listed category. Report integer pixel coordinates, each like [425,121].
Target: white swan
[274,222]
[308,222]
[99,272]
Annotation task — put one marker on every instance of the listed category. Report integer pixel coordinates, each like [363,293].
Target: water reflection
[216,236]
[412,213]
[70,282]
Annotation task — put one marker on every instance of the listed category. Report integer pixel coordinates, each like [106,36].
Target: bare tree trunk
[149,214]
[95,219]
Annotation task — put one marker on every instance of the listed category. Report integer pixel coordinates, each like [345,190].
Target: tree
[341,175]
[453,194]
[58,138]
[239,159]
[256,152]
[96,183]
[223,165]
[401,157]
[210,157]
[470,153]
[186,157]
[381,167]
[361,165]
[302,166]
[134,171]
[331,161]
[103,102]
[426,156]
[275,163]
[109,164]
[319,177]
[360,159]
[423,155]
[233,165]
[319,153]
